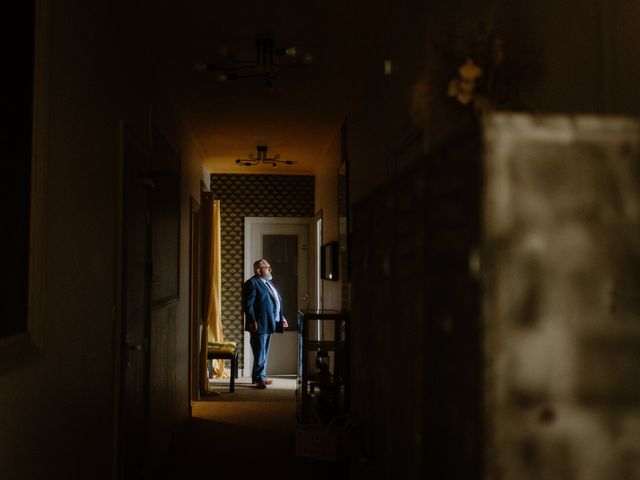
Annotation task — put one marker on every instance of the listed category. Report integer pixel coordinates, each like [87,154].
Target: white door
[284,242]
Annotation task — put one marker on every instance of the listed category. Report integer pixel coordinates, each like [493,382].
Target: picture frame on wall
[329,268]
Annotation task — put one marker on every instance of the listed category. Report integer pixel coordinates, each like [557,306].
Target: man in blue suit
[263,315]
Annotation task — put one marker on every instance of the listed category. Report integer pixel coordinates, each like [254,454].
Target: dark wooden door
[136,273]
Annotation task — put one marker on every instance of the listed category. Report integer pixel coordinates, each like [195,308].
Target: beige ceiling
[298,119]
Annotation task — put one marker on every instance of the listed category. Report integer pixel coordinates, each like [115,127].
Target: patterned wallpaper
[251,196]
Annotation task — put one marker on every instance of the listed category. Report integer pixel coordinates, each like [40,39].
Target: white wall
[326,199]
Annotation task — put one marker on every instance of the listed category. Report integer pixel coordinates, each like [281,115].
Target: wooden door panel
[134,401]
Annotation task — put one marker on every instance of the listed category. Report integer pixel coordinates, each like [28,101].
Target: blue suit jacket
[259,306]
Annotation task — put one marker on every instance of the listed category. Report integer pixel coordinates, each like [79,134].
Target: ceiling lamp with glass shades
[267,64]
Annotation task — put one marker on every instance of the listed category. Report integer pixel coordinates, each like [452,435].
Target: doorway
[285,243]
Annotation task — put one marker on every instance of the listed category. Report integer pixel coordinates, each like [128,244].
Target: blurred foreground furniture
[323,426]
[224,351]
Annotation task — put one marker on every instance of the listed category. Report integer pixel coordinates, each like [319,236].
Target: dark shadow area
[205,448]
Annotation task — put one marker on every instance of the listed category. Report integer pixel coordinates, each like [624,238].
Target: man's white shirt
[274,294]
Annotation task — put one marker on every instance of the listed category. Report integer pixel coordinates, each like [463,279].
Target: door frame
[312,274]
[195,298]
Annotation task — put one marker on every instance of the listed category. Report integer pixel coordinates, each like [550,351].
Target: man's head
[262,269]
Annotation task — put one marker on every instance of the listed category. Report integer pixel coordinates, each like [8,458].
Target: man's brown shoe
[267,381]
[260,385]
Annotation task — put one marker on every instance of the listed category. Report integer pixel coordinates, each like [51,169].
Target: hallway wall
[575,57]
[57,408]
[326,199]
[580,59]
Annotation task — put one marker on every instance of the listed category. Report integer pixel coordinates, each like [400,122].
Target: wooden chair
[225,351]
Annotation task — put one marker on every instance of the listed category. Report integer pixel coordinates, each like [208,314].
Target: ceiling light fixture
[263,66]
[262,158]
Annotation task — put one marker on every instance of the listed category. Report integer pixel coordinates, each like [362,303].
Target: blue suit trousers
[260,348]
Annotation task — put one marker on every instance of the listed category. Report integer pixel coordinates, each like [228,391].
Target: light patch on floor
[272,409]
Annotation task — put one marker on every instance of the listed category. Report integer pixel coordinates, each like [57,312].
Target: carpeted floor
[245,434]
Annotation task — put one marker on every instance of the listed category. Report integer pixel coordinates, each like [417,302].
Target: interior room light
[261,157]
[264,66]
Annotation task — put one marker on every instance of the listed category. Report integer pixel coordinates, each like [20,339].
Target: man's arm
[248,300]
[285,324]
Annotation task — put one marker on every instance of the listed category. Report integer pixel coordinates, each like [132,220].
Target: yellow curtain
[214,317]
[212,327]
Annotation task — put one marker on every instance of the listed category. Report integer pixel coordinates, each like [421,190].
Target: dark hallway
[470,168]
[246,434]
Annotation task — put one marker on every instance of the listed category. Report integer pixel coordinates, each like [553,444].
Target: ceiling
[299,118]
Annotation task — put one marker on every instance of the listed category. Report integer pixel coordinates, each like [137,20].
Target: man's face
[265,270]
